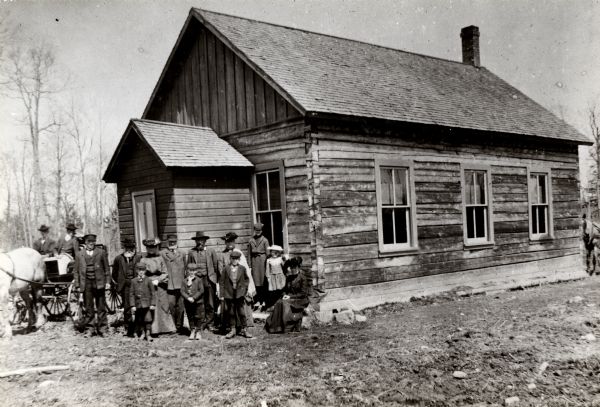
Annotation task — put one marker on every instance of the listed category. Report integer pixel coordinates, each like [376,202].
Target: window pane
[277,228]
[480,220]
[141,220]
[386,186]
[534,220]
[469,188]
[261,192]
[401,189]
[480,187]
[274,191]
[387,218]
[542,189]
[533,190]
[541,218]
[265,219]
[401,218]
[470,223]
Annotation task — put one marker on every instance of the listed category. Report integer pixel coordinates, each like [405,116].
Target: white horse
[19,268]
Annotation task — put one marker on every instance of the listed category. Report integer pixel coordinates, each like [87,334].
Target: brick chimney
[470,45]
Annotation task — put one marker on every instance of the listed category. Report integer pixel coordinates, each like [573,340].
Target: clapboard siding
[206,84]
[142,172]
[350,251]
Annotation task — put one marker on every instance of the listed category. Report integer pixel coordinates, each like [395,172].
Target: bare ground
[405,354]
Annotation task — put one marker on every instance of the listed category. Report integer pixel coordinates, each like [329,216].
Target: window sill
[478,245]
[540,239]
[398,252]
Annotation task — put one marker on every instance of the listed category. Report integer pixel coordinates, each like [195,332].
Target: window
[144,216]
[539,206]
[268,208]
[395,207]
[477,208]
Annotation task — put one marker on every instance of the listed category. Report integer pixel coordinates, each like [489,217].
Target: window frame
[413,244]
[268,167]
[478,242]
[550,221]
[136,231]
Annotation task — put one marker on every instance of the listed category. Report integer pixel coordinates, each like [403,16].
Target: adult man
[92,277]
[208,263]
[44,245]
[589,240]
[68,243]
[123,272]
[175,261]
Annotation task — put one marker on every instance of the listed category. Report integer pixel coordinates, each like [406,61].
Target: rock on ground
[345,317]
[511,401]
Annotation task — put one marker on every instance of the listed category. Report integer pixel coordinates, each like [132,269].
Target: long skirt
[163,321]
[284,318]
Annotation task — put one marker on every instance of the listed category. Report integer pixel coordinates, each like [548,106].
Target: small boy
[192,292]
[233,286]
[143,299]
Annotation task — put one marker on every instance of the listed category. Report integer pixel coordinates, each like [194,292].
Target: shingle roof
[187,146]
[326,74]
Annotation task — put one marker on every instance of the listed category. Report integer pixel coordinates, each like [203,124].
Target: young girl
[143,299]
[274,274]
[192,291]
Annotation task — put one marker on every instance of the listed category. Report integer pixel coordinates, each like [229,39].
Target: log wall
[207,85]
[346,174]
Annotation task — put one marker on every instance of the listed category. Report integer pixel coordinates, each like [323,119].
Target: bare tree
[60,172]
[82,146]
[29,79]
[594,123]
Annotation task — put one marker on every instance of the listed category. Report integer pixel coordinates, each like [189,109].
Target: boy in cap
[192,291]
[208,264]
[44,245]
[258,247]
[123,272]
[233,287]
[175,261]
[142,297]
[92,277]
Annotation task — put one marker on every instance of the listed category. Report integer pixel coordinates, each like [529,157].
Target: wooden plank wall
[208,85]
[141,171]
[215,201]
[284,143]
[346,169]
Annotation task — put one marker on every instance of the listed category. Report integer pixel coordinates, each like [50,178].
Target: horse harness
[12,272]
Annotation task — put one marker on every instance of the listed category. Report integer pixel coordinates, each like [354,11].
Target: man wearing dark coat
[123,272]
[44,245]
[175,261]
[92,277]
[233,287]
[68,244]
[208,263]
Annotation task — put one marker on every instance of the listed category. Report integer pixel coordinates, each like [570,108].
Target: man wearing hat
[92,277]
[175,261]
[208,263]
[123,272]
[234,284]
[68,244]
[44,245]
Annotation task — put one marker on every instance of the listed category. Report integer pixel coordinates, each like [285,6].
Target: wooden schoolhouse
[393,174]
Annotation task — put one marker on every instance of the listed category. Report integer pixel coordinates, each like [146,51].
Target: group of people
[216,290]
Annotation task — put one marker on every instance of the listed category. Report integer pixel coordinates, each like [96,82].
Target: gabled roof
[176,145]
[326,74]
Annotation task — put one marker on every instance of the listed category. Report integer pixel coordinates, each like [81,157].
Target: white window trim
[541,236]
[138,241]
[413,244]
[269,166]
[478,242]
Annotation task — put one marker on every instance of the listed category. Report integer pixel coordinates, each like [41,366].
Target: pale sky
[115,50]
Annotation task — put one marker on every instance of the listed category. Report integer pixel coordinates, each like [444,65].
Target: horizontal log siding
[212,201]
[208,85]
[140,171]
[284,143]
[349,211]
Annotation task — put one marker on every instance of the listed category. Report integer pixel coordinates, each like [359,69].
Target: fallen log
[37,369]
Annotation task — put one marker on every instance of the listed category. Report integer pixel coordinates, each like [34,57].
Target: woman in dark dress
[287,311]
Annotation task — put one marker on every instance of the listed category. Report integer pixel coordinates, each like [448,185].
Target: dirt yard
[528,344]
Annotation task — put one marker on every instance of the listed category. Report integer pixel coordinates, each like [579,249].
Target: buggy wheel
[113,300]
[56,305]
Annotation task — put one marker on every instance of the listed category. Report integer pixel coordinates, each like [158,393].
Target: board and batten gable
[207,84]
[356,269]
